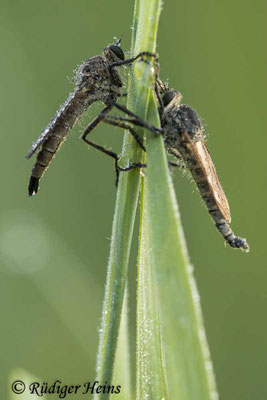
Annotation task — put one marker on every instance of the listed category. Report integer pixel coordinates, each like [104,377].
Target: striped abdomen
[54,135]
[199,162]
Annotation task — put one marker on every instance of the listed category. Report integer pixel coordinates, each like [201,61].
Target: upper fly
[97,79]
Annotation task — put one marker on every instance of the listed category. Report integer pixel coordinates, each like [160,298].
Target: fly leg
[117,121]
[91,126]
[95,122]
[135,119]
[180,162]
[131,60]
[89,129]
[129,168]
[176,164]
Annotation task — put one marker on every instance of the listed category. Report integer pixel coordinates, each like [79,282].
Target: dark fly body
[184,138]
[97,79]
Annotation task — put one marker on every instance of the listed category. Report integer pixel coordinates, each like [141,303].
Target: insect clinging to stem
[184,138]
[97,79]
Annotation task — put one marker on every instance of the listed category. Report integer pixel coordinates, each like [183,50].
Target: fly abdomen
[56,131]
[233,240]
[197,172]
[203,187]
[220,222]
[225,230]
[44,157]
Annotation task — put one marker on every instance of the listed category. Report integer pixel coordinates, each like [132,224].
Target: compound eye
[117,51]
[168,97]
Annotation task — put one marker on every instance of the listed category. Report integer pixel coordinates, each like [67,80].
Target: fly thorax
[93,74]
[172,133]
[115,78]
[188,120]
[172,138]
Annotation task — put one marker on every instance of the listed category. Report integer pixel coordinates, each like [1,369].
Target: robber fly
[184,138]
[97,79]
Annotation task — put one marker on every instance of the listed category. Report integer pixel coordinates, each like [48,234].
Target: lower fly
[184,138]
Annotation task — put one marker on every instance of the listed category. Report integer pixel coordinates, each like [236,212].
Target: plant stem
[127,195]
[188,365]
[149,363]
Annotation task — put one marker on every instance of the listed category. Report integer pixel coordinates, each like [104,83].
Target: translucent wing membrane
[205,162]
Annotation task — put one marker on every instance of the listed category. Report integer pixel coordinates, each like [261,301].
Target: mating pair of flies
[98,79]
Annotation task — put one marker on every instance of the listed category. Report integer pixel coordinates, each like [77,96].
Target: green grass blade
[150,372]
[122,369]
[127,196]
[189,369]
[116,276]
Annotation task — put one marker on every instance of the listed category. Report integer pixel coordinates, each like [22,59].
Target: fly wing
[201,152]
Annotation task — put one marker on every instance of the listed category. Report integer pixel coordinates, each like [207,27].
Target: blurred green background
[54,247]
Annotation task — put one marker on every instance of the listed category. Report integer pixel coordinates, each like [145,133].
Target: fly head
[172,98]
[114,53]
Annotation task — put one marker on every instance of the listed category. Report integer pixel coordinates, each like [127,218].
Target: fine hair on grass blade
[122,374]
[127,194]
[189,374]
[150,371]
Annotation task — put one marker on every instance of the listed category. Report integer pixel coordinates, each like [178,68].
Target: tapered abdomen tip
[33,186]
[240,244]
